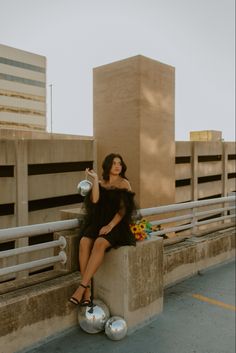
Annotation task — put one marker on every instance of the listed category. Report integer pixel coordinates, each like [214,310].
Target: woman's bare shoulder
[102,183]
[121,184]
[124,184]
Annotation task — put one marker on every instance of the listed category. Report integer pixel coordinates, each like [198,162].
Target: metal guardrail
[61,242]
[193,216]
[185,205]
[61,257]
[37,229]
[15,233]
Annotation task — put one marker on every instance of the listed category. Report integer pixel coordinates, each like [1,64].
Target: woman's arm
[108,228]
[95,187]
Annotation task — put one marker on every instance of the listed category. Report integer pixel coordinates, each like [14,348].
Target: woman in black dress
[109,207]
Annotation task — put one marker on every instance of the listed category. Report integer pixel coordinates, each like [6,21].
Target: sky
[195,36]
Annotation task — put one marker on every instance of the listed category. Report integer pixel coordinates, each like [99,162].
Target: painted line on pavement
[214,302]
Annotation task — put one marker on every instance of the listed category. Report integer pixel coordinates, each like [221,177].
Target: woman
[109,206]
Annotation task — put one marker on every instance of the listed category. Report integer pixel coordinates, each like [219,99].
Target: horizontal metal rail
[207,221]
[33,230]
[28,249]
[61,257]
[37,229]
[172,219]
[217,210]
[184,206]
[172,229]
[190,225]
[191,215]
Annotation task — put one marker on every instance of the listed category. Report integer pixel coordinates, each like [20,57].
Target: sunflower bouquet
[141,229]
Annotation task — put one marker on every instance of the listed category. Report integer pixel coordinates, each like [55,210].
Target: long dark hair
[107,164]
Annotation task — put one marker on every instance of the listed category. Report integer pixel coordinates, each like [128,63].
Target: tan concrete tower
[134,116]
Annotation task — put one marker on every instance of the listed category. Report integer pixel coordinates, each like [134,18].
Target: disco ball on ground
[92,319]
[116,328]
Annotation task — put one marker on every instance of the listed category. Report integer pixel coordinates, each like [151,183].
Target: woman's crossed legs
[91,254]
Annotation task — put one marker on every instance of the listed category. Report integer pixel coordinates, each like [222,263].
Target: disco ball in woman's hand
[84,187]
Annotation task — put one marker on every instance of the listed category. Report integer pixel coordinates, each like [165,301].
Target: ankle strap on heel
[82,285]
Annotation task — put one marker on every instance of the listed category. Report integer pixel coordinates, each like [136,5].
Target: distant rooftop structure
[22,90]
[206,135]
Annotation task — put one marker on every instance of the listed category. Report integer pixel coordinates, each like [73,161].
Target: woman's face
[116,167]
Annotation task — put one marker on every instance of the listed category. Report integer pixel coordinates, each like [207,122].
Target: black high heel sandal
[81,302]
[88,302]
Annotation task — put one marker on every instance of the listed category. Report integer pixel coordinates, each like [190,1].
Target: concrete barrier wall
[130,282]
[204,169]
[41,150]
[39,177]
[185,259]
[31,314]
[7,184]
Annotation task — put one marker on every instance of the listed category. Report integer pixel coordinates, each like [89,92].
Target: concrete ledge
[185,259]
[31,314]
[130,282]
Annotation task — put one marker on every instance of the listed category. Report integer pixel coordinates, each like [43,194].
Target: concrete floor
[188,324]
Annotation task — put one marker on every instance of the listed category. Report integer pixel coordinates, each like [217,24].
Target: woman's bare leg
[95,260]
[85,248]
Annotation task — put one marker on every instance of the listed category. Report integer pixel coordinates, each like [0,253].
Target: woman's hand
[105,229]
[91,173]
[95,188]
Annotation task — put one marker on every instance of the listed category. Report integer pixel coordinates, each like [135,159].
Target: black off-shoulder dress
[111,201]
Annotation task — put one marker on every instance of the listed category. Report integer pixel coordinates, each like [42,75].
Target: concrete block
[130,282]
[215,248]
[29,315]
[179,262]
[186,259]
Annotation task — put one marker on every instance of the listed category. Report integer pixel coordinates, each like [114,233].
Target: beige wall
[10,134]
[116,110]
[33,195]
[205,135]
[22,89]
[134,116]
[22,187]
[206,159]
[41,186]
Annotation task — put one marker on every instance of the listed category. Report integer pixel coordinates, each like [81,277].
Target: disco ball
[92,319]
[84,187]
[116,328]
